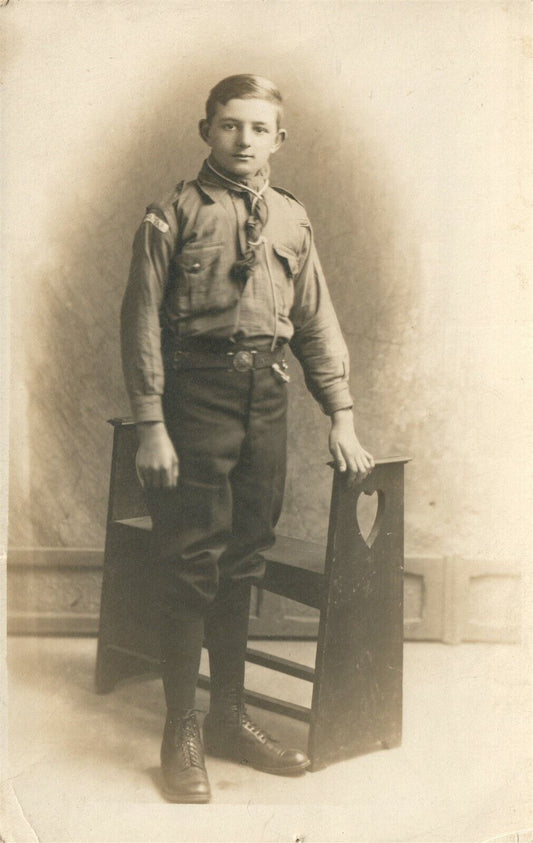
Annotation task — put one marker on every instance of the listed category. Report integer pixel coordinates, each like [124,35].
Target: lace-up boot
[182,761]
[229,733]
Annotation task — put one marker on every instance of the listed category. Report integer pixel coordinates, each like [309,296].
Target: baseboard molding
[53,591]
[56,591]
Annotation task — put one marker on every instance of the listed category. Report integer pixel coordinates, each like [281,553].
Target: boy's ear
[203,128]
[281,135]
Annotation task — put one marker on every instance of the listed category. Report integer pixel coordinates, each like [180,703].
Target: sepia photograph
[266,454]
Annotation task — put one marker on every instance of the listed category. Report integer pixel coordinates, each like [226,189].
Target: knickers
[229,431]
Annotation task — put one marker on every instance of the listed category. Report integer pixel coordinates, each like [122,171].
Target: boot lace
[189,740]
[232,710]
[256,730]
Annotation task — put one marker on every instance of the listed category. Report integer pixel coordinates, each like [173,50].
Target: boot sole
[276,771]
[192,799]
[285,771]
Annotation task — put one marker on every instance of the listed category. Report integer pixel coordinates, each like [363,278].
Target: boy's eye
[261,129]
[228,125]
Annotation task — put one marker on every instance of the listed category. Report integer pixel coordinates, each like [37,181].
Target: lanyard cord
[257,194]
[274,296]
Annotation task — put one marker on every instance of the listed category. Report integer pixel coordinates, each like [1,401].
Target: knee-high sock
[182,633]
[226,627]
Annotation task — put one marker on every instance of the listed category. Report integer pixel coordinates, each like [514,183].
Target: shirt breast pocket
[204,283]
[287,268]
[288,259]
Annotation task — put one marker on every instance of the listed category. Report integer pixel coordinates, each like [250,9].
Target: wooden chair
[357,679]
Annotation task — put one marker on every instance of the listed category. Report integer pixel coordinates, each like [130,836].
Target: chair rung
[149,664]
[298,712]
[300,671]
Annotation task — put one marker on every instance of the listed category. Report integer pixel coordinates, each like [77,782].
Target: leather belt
[242,361]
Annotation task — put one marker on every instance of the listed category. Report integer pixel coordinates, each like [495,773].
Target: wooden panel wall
[57,591]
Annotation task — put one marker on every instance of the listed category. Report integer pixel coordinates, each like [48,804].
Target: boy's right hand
[156,460]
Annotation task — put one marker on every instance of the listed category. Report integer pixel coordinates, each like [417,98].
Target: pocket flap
[288,257]
[197,260]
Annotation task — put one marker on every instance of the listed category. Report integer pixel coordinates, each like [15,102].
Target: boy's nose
[244,137]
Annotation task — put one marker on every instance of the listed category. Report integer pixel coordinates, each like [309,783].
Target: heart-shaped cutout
[369,511]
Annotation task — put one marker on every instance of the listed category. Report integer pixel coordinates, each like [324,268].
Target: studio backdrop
[407,145]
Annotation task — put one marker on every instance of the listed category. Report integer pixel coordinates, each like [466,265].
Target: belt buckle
[243,361]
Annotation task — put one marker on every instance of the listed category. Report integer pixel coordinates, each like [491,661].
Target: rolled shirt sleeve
[318,342]
[140,329]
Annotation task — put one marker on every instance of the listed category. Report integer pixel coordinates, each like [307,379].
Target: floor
[84,767]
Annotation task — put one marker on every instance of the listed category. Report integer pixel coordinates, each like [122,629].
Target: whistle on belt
[280,371]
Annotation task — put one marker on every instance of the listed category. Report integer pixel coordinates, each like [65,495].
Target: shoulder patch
[160,224]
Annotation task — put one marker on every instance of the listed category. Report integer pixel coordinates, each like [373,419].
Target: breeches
[229,430]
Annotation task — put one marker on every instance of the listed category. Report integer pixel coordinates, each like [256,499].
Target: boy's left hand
[345,448]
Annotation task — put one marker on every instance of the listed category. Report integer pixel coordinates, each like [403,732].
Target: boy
[224,274]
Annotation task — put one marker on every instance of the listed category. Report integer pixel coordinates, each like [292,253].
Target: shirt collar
[213,186]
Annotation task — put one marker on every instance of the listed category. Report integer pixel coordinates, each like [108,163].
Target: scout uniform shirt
[183,284]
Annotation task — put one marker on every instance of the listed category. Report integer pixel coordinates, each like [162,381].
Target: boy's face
[243,134]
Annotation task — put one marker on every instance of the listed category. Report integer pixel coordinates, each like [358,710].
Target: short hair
[243,86]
